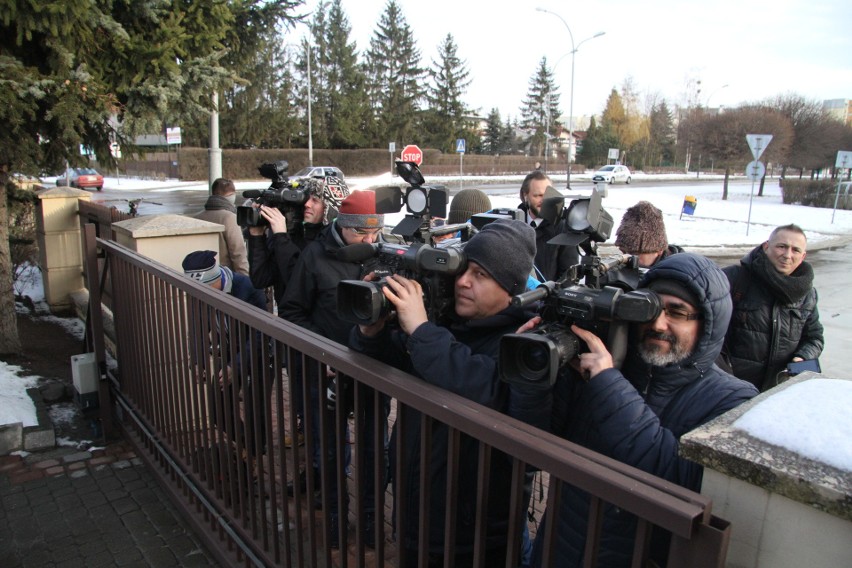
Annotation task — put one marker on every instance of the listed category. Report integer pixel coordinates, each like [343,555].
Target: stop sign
[412,153]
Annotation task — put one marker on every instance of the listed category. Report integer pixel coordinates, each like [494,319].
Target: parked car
[318,172]
[612,174]
[82,178]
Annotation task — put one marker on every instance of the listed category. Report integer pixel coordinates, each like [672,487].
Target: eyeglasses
[679,314]
[365,232]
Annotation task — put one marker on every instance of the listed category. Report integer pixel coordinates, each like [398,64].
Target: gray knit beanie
[466,204]
[642,230]
[505,248]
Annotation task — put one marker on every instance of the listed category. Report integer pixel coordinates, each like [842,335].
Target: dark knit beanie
[201,266]
[505,248]
[358,211]
[466,204]
[675,288]
[642,230]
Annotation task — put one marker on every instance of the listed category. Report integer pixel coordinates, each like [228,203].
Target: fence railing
[208,387]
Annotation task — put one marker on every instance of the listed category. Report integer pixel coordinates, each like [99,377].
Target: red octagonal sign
[412,153]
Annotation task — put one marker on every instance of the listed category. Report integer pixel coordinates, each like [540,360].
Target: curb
[69,462]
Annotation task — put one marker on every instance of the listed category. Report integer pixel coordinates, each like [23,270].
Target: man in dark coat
[776,320]
[551,261]
[461,358]
[273,250]
[668,386]
[310,301]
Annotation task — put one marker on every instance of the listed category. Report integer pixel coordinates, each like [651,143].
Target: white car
[612,174]
[319,172]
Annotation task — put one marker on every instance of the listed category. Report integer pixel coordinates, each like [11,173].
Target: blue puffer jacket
[639,416]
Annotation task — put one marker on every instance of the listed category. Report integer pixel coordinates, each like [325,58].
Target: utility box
[84,373]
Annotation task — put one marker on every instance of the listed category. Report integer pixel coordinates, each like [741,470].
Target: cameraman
[461,358]
[310,301]
[273,251]
[668,386]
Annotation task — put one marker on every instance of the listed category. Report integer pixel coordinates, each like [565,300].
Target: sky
[758,49]
[723,223]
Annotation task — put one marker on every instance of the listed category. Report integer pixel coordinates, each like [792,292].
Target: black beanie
[505,248]
[466,204]
[675,288]
[641,230]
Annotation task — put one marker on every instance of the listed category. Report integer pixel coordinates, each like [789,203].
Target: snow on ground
[717,223]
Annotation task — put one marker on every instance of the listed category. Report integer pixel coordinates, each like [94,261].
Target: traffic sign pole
[844,160]
[757,143]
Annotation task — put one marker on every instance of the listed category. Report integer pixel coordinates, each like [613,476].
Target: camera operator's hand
[530,325]
[407,297]
[598,358]
[276,219]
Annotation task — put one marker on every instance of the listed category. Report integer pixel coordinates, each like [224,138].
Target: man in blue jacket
[668,386]
[461,358]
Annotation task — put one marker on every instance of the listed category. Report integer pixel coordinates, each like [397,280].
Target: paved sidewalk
[66,507]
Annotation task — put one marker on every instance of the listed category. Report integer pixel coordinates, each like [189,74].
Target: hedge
[816,193]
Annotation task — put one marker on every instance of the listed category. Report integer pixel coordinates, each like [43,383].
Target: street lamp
[574,49]
[707,104]
[310,130]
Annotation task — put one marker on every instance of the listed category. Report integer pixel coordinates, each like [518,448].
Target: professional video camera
[535,358]
[289,197]
[423,202]
[434,267]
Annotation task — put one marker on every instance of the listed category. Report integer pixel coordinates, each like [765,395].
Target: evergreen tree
[662,136]
[444,121]
[394,77]
[492,141]
[80,72]
[540,111]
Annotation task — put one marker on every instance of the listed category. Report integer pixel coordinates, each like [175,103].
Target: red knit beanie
[358,210]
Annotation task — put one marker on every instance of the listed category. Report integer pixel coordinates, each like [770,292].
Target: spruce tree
[444,121]
[540,111]
[395,80]
[492,142]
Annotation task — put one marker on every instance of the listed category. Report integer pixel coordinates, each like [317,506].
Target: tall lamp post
[310,130]
[574,49]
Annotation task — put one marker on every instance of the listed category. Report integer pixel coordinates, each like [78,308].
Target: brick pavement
[71,508]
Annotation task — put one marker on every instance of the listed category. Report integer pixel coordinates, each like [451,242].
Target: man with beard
[668,386]
[776,320]
[551,261]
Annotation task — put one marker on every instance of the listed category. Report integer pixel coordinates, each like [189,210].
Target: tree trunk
[760,187]
[10,342]
[725,183]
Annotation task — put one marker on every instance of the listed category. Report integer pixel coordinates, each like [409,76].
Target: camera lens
[534,360]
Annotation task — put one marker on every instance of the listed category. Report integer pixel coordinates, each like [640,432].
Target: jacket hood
[710,285]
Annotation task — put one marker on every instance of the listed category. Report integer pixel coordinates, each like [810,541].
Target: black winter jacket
[310,299]
[767,331]
[461,359]
[551,261]
[272,258]
[637,416]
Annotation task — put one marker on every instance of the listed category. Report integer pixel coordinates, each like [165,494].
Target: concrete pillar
[167,238]
[59,244]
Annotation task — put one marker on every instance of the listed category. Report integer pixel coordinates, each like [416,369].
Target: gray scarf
[790,289]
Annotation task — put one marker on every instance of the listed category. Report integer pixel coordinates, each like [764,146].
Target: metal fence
[202,386]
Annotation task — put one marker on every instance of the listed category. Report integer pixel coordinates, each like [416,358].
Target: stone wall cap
[165,225]
[734,452]
[62,192]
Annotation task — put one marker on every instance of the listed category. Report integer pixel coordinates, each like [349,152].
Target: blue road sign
[460,145]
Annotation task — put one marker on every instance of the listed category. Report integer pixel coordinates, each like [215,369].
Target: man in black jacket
[776,320]
[311,302]
[461,358]
[551,261]
[668,385]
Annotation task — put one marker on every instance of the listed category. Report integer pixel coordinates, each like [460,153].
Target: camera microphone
[358,252]
[252,193]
